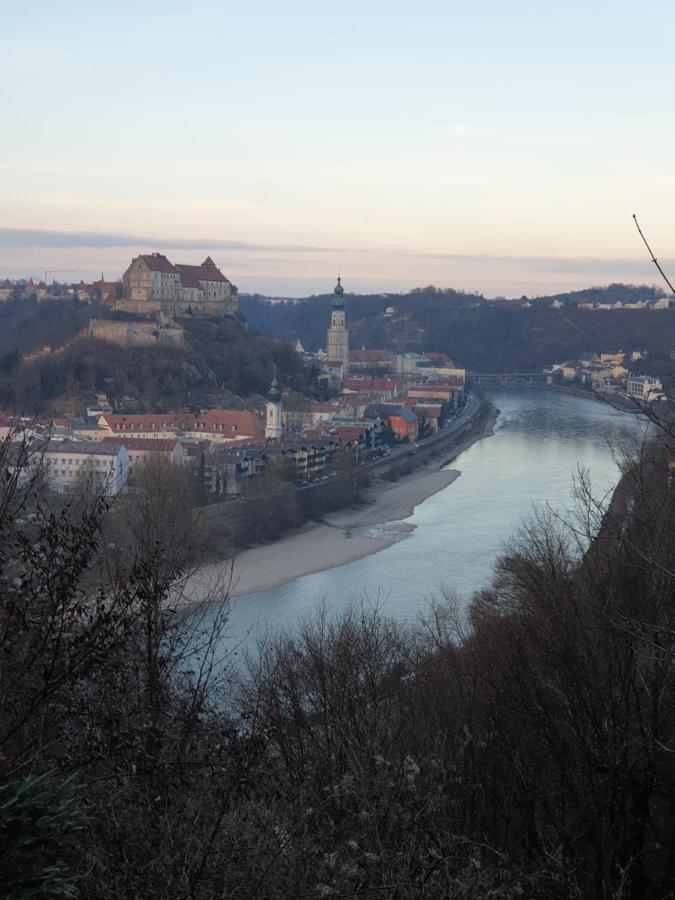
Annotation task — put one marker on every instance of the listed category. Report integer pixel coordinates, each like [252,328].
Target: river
[541,439]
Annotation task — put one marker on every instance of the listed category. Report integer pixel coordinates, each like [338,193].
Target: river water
[541,440]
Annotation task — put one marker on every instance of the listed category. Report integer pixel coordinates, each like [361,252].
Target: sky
[494,147]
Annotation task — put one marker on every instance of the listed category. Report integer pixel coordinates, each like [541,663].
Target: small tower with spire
[337,336]
[273,428]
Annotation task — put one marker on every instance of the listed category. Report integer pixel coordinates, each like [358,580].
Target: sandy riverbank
[341,537]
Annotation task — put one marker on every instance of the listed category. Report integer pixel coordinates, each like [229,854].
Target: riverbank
[346,535]
[617,401]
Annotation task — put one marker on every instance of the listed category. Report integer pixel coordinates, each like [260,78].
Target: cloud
[29,237]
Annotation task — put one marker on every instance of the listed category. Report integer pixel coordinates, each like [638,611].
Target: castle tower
[337,336]
[273,429]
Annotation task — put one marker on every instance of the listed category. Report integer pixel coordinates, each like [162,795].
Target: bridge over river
[506,377]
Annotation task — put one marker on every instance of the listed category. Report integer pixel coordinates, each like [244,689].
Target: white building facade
[70,466]
[642,387]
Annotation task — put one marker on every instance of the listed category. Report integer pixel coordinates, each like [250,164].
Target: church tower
[337,336]
[273,429]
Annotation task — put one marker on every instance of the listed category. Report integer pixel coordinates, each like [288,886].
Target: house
[408,363]
[223,426]
[429,415]
[232,466]
[616,358]
[158,426]
[382,387]
[104,466]
[83,292]
[439,390]
[6,290]
[572,369]
[218,425]
[402,421]
[333,369]
[143,450]
[643,387]
[369,359]
[106,293]
[303,460]
[86,430]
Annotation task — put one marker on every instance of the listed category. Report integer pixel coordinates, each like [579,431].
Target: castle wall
[137,334]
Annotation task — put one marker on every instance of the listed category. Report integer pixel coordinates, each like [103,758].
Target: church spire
[338,301]
[274,394]
[273,426]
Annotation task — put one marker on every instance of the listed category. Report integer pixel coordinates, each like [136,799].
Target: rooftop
[88,448]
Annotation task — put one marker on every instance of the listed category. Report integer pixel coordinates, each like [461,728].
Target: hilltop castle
[152,285]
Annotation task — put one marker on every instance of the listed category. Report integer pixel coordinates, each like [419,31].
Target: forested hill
[481,335]
[222,363]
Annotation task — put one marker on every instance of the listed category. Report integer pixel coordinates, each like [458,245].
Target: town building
[100,466]
[337,336]
[144,450]
[152,284]
[408,363]
[221,426]
[369,360]
[403,423]
[643,387]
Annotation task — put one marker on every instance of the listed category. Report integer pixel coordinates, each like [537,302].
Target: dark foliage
[221,363]
[527,752]
[482,336]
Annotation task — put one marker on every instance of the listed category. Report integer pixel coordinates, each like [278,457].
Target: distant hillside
[483,336]
[222,362]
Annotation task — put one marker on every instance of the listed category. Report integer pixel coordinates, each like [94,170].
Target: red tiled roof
[375,356]
[157,262]
[227,421]
[142,422]
[373,384]
[323,407]
[231,422]
[190,276]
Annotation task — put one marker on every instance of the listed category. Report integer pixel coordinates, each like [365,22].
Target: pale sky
[495,146]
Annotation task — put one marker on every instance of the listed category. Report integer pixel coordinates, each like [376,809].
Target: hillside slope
[482,336]
[222,362]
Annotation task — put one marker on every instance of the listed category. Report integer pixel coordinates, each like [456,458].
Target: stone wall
[146,333]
